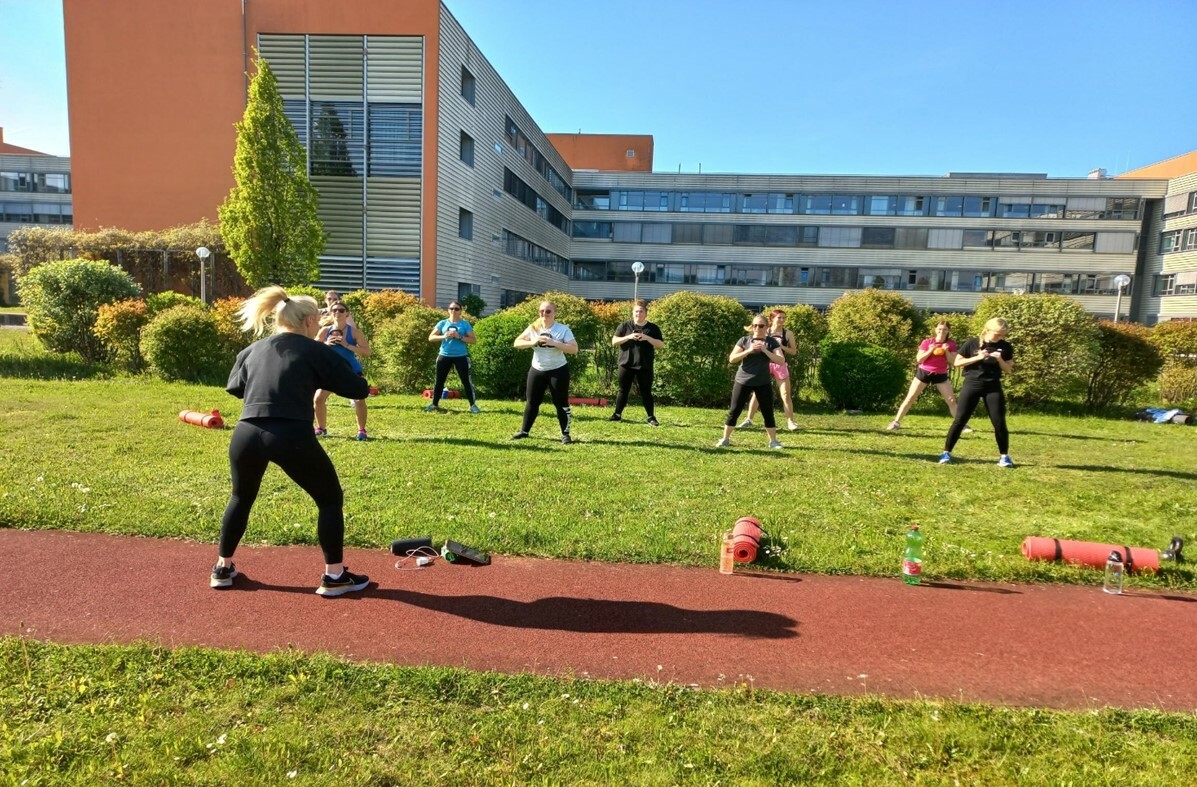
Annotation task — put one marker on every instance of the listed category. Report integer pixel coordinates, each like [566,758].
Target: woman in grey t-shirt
[549,341]
[754,353]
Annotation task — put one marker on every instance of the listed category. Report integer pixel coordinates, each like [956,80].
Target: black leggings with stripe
[971,393]
[291,445]
[557,382]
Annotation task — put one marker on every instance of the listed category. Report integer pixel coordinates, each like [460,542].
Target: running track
[1043,645]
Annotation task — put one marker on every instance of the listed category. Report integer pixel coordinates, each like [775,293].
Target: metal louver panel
[1086,203]
[1115,242]
[395,69]
[1176,203]
[341,212]
[285,54]
[336,66]
[296,111]
[393,275]
[393,223]
[340,274]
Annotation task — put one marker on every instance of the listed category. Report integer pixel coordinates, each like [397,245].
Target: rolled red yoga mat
[1089,553]
[746,539]
[445,394]
[210,421]
[591,401]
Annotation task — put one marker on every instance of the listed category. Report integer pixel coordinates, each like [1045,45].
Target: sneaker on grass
[361,434]
[475,409]
[945,458]
[615,417]
[893,426]
[723,443]
[746,423]
[653,421]
[775,444]
[432,408]
[519,436]
[1005,461]
[966,430]
[320,432]
[222,576]
[566,439]
[339,586]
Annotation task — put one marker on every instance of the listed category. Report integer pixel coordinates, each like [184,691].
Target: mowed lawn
[111,455]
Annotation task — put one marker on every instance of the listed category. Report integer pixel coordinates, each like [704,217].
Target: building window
[467,86]
[396,140]
[1193,202]
[466,152]
[1170,241]
[631,153]
[1121,208]
[1165,284]
[465,289]
[1079,241]
[1190,240]
[465,224]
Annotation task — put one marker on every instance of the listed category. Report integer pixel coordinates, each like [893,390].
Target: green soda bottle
[912,561]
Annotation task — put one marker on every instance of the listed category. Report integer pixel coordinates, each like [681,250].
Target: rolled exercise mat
[746,539]
[1089,553]
[209,421]
[403,547]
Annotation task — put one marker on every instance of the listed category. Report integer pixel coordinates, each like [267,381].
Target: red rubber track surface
[1043,645]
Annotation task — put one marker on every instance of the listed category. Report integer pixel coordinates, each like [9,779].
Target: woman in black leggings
[550,341]
[754,353]
[278,378]
[984,360]
[455,336]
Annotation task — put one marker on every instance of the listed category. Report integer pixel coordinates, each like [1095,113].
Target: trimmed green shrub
[118,326]
[861,376]
[876,317]
[159,302]
[405,359]
[1175,338]
[1126,360]
[62,301]
[1055,344]
[606,355]
[809,327]
[499,369]
[700,331]
[473,304]
[571,311]
[1178,383]
[228,323]
[184,343]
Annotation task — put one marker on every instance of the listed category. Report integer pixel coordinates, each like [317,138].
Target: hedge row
[864,346]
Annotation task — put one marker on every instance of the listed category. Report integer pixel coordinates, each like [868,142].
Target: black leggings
[970,394]
[644,379]
[741,393]
[557,380]
[443,364]
[291,445]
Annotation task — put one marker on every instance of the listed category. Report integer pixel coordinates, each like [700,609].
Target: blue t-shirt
[453,348]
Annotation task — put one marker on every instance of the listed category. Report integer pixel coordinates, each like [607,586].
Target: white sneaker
[793,427]
[747,423]
[723,443]
[775,444]
[893,426]
[966,430]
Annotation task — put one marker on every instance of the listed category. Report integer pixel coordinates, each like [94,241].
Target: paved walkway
[1045,645]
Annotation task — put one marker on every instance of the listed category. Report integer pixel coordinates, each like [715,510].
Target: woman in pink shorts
[935,357]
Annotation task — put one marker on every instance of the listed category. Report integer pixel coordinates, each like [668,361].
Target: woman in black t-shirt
[754,353]
[638,341]
[984,360]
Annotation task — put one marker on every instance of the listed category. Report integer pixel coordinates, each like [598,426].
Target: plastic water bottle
[912,561]
[727,555]
[1114,572]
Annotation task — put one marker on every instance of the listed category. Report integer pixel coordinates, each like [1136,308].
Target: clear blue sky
[793,86]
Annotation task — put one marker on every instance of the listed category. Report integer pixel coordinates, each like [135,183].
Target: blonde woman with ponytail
[984,359]
[550,341]
[278,377]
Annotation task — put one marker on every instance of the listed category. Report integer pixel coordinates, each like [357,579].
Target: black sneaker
[519,435]
[346,583]
[615,417]
[566,439]
[222,576]
[652,421]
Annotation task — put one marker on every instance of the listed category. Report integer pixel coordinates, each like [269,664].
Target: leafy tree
[62,301]
[1055,344]
[268,221]
[876,317]
[1126,359]
[473,304]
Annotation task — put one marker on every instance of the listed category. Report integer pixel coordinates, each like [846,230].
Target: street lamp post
[1121,280]
[203,253]
[637,269]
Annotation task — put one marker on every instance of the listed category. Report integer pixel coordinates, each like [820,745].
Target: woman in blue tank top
[350,344]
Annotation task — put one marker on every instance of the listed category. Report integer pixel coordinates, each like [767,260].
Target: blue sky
[793,86]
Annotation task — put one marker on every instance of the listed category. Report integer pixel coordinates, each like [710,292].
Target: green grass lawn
[143,715]
[111,455]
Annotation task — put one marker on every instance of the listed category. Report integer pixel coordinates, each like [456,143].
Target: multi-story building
[35,190]
[434,178]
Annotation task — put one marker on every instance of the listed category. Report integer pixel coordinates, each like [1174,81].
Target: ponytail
[273,303]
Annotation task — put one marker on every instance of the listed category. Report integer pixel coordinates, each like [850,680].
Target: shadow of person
[601,616]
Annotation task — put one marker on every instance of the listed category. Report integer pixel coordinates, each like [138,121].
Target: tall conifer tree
[269,219]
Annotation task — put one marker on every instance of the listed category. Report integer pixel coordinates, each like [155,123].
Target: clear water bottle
[912,560]
[1115,569]
[727,556]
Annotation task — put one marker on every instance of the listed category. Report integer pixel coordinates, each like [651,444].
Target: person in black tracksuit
[278,377]
[638,341]
[984,360]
